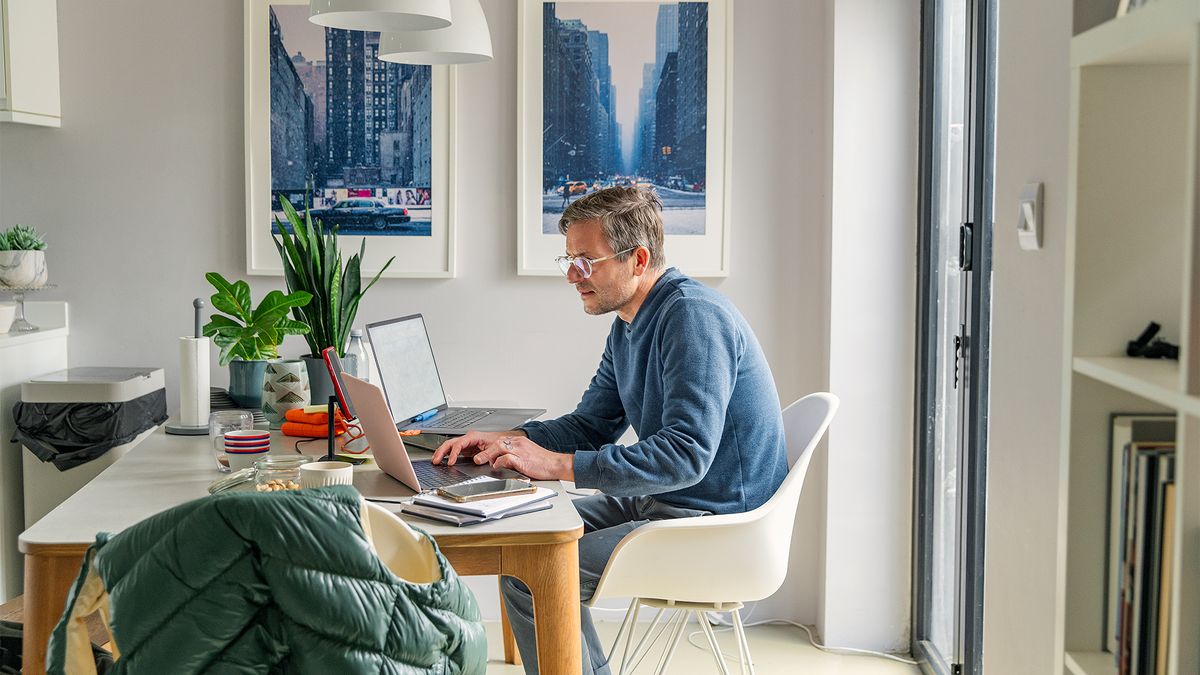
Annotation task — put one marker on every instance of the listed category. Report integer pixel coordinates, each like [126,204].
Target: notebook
[486,508]
[460,519]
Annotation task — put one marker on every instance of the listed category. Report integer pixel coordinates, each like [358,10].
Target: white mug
[320,474]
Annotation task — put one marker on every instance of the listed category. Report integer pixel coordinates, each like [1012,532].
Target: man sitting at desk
[681,366]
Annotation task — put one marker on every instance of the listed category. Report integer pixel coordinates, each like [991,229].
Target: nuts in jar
[274,485]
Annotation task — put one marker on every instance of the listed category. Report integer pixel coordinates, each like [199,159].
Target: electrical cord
[716,620]
[848,651]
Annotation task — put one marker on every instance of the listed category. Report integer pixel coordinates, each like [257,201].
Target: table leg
[48,579]
[551,571]
[511,653]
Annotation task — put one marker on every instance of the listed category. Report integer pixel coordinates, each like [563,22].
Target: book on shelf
[1147,470]
[1124,429]
[1165,586]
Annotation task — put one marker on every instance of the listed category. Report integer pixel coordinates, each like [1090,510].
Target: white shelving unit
[1131,259]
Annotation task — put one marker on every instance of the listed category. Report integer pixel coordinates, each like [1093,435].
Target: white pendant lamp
[380,15]
[466,41]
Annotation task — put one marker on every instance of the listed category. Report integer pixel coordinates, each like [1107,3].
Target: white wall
[1024,463]
[867,526]
[141,192]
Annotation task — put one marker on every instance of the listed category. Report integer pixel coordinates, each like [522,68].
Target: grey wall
[1033,87]
[141,192]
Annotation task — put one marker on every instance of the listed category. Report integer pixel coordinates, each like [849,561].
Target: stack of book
[1141,542]
[430,505]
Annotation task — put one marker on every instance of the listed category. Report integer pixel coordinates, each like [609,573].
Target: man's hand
[469,444]
[524,456]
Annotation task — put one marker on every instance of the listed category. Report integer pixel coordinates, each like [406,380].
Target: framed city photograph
[364,143]
[626,92]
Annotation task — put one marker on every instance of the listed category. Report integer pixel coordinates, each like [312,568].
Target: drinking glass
[222,421]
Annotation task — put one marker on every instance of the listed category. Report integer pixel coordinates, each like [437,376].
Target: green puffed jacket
[308,581]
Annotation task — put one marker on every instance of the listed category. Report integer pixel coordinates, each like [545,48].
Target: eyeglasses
[584,265]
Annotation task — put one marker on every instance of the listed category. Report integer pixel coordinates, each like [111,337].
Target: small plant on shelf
[22,258]
[22,238]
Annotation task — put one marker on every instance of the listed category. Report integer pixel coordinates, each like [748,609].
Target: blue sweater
[691,378]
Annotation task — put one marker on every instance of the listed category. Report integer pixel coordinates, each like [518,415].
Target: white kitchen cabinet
[29,91]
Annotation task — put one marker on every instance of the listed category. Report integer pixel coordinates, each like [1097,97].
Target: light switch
[1029,217]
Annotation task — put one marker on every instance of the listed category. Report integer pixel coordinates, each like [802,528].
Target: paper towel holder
[177,427]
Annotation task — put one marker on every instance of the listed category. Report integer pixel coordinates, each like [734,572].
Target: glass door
[954,287]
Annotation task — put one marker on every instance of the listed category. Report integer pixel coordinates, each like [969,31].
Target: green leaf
[231,298]
[289,327]
[381,271]
[276,305]
[217,323]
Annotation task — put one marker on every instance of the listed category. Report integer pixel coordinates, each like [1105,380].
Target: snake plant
[312,262]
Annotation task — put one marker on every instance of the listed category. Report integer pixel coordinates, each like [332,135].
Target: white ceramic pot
[8,311]
[24,269]
[285,387]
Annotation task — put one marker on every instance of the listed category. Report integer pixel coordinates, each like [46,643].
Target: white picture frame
[698,255]
[429,256]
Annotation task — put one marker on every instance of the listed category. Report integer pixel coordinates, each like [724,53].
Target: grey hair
[629,217]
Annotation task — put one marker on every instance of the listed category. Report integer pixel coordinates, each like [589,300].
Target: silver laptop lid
[407,370]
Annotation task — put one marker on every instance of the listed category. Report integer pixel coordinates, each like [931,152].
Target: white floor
[776,650]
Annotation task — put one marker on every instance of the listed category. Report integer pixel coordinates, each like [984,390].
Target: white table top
[164,471]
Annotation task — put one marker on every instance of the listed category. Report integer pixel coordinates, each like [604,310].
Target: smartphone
[334,365]
[488,489]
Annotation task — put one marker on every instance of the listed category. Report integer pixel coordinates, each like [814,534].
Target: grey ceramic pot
[246,383]
[318,380]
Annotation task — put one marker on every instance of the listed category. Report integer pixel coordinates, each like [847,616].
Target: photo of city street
[625,100]
[350,134]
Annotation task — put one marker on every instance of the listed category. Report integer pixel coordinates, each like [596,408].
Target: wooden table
[165,471]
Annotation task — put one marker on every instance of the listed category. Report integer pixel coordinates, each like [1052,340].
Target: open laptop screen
[406,367]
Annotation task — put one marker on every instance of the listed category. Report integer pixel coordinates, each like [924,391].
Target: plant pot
[23,269]
[320,385]
[285,387]
[246,383]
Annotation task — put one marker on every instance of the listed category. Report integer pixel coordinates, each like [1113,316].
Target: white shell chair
[713,563]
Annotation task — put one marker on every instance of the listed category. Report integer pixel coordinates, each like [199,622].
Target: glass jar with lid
[280,472]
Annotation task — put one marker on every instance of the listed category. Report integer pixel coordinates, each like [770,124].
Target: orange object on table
[298,415]
[311,430]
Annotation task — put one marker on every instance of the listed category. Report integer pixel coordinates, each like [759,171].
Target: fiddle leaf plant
[251,333]
[312,262]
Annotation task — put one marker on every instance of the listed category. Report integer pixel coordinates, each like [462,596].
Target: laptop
[414,390]
[388,450]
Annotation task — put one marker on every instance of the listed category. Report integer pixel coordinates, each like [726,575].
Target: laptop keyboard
[457,419]
[438,475]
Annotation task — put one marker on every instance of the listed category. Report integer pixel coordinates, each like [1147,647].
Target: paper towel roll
[193,381]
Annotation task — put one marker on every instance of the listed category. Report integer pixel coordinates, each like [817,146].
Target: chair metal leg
[674,642]
[743,644]
[712,642]
[637,655]
[632,611]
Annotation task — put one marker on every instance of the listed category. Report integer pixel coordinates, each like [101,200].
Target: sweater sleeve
[598,419]
[700,347]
